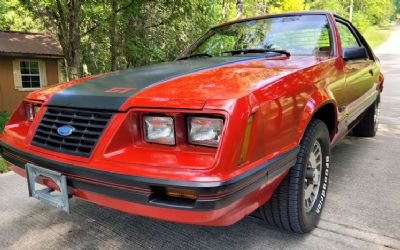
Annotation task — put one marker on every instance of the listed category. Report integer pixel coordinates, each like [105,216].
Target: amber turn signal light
[181,193]
[246,141]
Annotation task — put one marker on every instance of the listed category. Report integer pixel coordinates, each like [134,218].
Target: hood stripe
[111,91]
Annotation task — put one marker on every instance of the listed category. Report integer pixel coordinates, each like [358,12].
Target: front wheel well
[328,115]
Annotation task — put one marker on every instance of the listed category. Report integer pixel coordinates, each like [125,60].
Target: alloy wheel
[312,178]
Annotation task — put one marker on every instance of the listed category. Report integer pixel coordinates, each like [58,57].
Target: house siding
[11,97]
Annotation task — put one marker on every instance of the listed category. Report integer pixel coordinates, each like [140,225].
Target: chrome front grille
[86,126]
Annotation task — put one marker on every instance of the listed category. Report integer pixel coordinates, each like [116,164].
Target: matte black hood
[102,92]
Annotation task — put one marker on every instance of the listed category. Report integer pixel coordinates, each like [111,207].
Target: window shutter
[43,73]
[17,74]
[60,72]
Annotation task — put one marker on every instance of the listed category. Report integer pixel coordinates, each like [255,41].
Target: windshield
[299,35]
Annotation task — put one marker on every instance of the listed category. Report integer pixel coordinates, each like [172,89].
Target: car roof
[305,12]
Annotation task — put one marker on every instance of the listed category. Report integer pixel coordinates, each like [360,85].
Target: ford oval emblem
[65,130]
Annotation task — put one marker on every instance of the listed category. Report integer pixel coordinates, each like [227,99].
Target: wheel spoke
[312,177]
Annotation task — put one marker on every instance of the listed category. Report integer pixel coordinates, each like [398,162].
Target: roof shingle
[23,43]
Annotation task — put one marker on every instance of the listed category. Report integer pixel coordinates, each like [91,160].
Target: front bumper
[218,203]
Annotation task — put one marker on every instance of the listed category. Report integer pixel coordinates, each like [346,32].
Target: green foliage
[365,12]
[339,7]
[158,31]
[379,12]
[3,166]
[3,119]
[148,32]
[361,21]
[13,16]
[376,35]
[288,5]
[397,7]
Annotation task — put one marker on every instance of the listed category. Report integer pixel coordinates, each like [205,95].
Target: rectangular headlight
[159,129]
[205,131]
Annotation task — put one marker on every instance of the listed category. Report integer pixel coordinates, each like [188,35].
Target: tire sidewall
[375,123]
[310,219]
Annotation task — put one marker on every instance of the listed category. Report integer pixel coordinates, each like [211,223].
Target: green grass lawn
[376,35]
[3,119]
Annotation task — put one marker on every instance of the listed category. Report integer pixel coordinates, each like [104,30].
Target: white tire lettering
[324,186]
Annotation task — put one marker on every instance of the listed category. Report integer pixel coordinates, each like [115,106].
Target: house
[28,61]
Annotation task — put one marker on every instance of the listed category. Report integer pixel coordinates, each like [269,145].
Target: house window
[30,74]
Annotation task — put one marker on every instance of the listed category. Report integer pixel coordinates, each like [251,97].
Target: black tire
[368,125]
[287,207]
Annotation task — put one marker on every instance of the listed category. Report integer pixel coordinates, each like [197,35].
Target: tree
[339,7]
[397,5]
[239,8]
[11,12]
[376,12]
[103,35]
[68,23]
[64,16]
[155,31]
[113,34]
[225,7]
[287,5]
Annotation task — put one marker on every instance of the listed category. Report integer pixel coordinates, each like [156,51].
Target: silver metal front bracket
[44,195]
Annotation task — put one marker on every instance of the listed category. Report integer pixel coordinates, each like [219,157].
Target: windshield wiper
[248,51]
[194,55]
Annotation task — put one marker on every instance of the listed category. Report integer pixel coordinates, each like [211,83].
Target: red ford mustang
[242,121]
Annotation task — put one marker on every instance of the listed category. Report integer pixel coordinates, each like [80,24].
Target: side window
[347,38]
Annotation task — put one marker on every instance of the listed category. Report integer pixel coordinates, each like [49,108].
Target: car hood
[177,84]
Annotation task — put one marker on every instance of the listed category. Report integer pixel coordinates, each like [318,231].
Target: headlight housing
[31,110]
[159,129]
[205,131]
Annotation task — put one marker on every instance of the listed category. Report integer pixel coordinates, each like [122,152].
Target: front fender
[319,98]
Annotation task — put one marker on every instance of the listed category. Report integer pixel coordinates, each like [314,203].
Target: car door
[359,73]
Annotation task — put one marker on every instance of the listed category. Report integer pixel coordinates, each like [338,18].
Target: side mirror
[354,53]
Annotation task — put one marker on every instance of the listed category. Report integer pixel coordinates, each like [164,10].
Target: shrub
[3,119]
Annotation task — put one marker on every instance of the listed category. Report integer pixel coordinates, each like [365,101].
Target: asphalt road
[362,210]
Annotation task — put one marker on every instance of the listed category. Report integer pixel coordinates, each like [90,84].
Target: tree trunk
[261,7]
[224,8]
[265,3]
[113,34]
[239,8]
[69,34]
[75,37]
